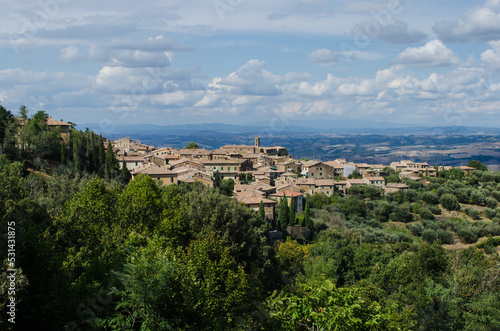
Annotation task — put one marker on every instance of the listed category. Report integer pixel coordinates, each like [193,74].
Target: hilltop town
[266,174]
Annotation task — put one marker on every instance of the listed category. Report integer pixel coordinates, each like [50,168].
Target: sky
[272,63]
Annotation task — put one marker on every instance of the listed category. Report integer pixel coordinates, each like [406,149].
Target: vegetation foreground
[97,251]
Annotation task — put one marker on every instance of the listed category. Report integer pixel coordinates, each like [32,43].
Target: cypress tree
[262,212]
[95,152]
[76,154]
[292,211]
[307,216]
[126,176]
[88,154]
[101,156]
[283,213]
[63,154]
[111,161]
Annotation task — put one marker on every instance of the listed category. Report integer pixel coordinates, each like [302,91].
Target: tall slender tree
[292,211]
[76,153]
[307,216]
[101,156]
[283,213]
[262,212]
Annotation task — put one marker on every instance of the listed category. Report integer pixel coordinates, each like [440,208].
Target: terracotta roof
[130,158]
[181,161]
[325,182]
[51,121]
[310,163]
[254,200]
[152,169]
[229,161]
[287,194]
[376,178]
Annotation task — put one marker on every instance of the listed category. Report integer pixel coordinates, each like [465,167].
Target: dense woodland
[95,250]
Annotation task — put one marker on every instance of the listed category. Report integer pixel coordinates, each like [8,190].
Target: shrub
[429,235]
[490,202]
[496,194]
[473,213]
[402,213]
[425,213]
[490,213]
[468,235]
[445,236]
[449,201]
[462,195]
[435,209]
[416,229]
[430,198]
[476,197]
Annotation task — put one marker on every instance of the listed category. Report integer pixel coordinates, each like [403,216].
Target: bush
[425,213]
[430,197]
[477,197]
[491,203]
[468,235]
[442,190]
[490,213]
[449,201]
[429,235]
[416,229]
[435,209]
[496,194]
[473,213]
[445,236]
[462,195]
[402,213]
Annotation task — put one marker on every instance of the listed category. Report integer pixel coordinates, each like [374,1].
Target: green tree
[112,164]
[140,205]
[355,175]
[101,155]
[449,201]
[126,175]
[283,213]
[322,305]
[262,212]
[307,216]
[192,145]
[77,162]
[477,164]
[5,118]
[292,211]
[226,186]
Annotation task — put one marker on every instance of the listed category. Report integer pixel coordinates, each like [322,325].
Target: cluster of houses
[275,174]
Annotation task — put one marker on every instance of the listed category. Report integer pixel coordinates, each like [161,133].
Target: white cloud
[491,57]
[432,54]
[477,23]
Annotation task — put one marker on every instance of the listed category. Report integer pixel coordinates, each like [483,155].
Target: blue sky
[260,62]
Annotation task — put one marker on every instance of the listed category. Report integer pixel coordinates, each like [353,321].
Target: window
[321,174]
[234,168]
[327,192]
[136,163]
[221,168]
[171,179]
